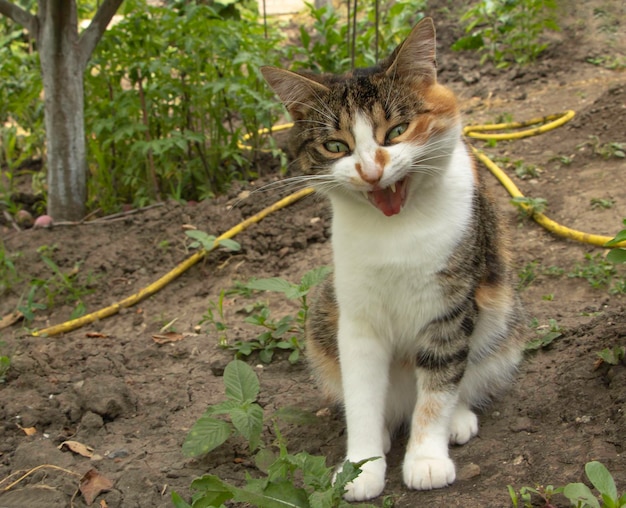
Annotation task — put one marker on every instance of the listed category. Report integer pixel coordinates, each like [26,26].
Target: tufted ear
[294,90]
[416,56]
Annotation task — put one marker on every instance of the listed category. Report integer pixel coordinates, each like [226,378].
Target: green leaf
[242,384]
[295,415]
[207,241]
[280,494]
[314,277]
[229,244]
[601,479]
[579,492]
[264,458]
[619,237]
[211,491]
[271,284]
[249,422]
[206,434]
[221,408]
[178,501]
[616,256]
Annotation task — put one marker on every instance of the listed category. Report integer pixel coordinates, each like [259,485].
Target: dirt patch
[110,386]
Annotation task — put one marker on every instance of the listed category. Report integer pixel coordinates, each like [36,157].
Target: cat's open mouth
[389,200]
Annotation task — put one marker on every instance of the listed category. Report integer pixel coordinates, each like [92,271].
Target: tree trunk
[64,54]
[62,72]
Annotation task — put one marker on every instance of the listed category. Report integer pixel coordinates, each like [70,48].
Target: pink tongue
[388,202]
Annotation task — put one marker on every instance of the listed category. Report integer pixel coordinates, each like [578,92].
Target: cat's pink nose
[370,173]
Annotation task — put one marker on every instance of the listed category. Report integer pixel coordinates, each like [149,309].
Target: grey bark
[64,54]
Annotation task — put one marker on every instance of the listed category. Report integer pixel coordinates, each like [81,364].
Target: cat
[420,323]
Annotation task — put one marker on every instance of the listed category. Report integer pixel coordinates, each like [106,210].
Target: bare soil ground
[110,386]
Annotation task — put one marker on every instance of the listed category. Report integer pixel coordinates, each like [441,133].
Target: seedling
[530,206]
[582,497]
[578,494]
[597,270]
[597,203]
[612,356]
[547,334]
[5,364]
[209,242]
[278,334]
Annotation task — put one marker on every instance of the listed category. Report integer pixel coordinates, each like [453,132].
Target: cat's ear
[294,90]
[416,56]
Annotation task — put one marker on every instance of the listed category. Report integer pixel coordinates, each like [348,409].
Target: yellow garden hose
[68,326]
[485,132]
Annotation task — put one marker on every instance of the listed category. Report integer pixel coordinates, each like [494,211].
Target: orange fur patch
[495,297]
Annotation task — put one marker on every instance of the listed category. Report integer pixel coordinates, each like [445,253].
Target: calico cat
[420,323]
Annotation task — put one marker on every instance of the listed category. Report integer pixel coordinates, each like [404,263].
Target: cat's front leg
[427,464]
[364,372]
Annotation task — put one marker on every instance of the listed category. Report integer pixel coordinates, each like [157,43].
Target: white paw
[426,473]
[370,482]
[464,426]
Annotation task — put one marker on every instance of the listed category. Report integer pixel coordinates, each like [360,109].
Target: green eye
[397,131]
[336,146]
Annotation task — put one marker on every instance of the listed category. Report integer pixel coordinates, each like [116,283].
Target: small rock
[469,471]
[522,424]
[105,395]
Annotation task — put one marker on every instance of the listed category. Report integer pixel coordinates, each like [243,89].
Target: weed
[617,254]
[5,364]
[278,334]
[578,494]
[208,242]
[507,32]
[300,480]
[613,62]
[8,274]
[599,476]
[597,271]
[612,356]
[608,150]
[597,203]
[530,206]
[525,170]
[546,335]
[527,274]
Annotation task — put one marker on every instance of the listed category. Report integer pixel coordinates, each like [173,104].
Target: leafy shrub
[169,93]
[507,31]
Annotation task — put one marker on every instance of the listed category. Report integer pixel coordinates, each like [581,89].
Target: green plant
[578,494]
[525,495]
[8,273]
[284,334]
[581,496]
[597,270]
[612,356]
[601,203]
[617,254]
[507,31]
[608,150]
[329,49]
[5,364]
[246,416]
[546,334]
[527,274]
[166,105]
[525,170]
[530,206]
[208,242]
[300,480]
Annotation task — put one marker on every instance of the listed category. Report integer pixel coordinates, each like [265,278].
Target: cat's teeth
[393,187]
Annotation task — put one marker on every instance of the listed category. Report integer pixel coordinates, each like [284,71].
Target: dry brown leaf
[165,338]
[96,335]
[103,504]
[10,319]
[93,484]
[76,447]
[29,431]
